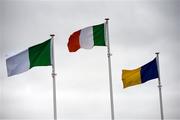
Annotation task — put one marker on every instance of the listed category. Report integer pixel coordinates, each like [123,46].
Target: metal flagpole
[159,86]
[109,65]
[53,76]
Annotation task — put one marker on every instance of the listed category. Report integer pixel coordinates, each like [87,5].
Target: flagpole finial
[157,53]
[52,35]
[106,18]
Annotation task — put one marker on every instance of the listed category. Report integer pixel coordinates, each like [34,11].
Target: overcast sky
[137,29]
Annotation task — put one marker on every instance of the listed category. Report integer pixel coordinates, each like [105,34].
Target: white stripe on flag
[86,38]
[18,63]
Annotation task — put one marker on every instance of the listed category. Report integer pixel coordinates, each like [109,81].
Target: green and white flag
[38,55]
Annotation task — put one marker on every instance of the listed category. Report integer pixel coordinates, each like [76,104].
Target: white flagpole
[109,65]
[159,86]
[53,76]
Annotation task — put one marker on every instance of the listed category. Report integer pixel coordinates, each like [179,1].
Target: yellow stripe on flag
[131,77]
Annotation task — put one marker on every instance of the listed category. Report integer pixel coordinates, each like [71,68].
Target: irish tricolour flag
[38,55]
[87,38]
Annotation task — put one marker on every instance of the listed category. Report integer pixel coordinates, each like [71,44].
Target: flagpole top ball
[106,18]
[157,53]
[52,35]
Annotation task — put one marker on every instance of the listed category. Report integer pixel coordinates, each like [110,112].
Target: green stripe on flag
[40,55]
[99,35]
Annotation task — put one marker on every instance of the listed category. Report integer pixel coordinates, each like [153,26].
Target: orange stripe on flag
[73,44]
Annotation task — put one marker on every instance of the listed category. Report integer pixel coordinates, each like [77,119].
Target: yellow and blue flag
[140,75]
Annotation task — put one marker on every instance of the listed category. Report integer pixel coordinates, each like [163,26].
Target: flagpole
[109,65]
[53,77]
[159,86]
